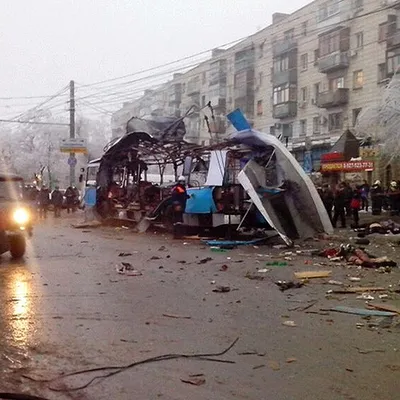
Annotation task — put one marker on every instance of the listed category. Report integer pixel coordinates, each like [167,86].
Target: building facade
[304,78]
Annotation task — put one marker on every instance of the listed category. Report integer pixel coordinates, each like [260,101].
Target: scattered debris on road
[289,323]
[124,254]
[336,283]
[367,351]
[274,365]
[361,311]
[286,285]
[128,269]
[384,307]
[254,277]
[176,316]
[194,381]
[312,274]
[205,260]
[222,289]
[112,371]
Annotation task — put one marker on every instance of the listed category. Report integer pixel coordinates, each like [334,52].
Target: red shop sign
[330,157]
[351,166]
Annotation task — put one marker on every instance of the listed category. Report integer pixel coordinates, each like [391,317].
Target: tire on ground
[17,246]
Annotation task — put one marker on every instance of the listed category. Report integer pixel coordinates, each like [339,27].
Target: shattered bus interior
[248,181]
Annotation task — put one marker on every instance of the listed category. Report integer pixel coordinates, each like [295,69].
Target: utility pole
[72,160]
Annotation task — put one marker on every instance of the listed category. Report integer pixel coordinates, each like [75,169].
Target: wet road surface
[66,308]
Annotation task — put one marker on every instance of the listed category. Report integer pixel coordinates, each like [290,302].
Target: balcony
[333,98]
[279,78]
[218,103]
[393,40]
[285,110]
[284,46]
[193,87]
[333,62]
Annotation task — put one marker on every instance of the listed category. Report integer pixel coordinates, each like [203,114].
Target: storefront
[310,160]
[352,171]
[342,162]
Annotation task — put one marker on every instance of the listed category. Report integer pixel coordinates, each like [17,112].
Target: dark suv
[15,215]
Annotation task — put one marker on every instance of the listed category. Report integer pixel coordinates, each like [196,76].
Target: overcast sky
[45,43]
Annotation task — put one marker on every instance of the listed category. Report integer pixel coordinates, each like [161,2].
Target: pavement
[67,308]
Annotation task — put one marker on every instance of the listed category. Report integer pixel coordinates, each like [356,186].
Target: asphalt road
[66,308]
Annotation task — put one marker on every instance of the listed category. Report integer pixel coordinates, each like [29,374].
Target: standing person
[365,189]
[179,198]
[394,197]
[57,201]
[348,195]
[43,201]
[327,199]
[69,196]
[76,198]
[339,204]
[377,198]
[356,205]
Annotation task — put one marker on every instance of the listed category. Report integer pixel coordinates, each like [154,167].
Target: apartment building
[304,78]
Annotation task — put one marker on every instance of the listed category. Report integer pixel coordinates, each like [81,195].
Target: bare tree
[380,123]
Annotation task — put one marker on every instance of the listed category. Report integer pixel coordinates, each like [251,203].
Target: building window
[316,56]
[329,43]
[327,10]
[303,127]
[303,94]
[281,94]
[316,90]
[336,83]
[304,28]
[382,32]
[289,34]
[261,50]
[260,78]
[204,78]
[259,107]
[203,101]
[335,121]
[317,125]
[356,113]
[358,79]
[382,72]
[284,93]
[281,64]
[304,61]
[359,40]
[393,64]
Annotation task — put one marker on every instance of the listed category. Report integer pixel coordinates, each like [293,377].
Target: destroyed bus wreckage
[247,181]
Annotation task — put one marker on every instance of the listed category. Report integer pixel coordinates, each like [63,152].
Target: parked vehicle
[15,215]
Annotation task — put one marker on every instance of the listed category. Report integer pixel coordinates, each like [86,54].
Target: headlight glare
[21,216]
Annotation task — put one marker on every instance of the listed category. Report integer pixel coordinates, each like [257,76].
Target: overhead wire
[232,43]
[59,93]
[294,38]
[105,97]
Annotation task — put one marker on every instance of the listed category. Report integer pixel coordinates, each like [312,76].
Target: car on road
[15,215]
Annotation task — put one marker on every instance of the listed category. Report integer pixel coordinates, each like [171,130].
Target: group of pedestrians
[45,198]
[343,201]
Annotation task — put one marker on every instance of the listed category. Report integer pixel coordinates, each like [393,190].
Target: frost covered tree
[29,149]
[380,123]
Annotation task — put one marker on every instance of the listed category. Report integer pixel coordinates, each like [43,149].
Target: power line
[42,103]
[33,122]
[300,35]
